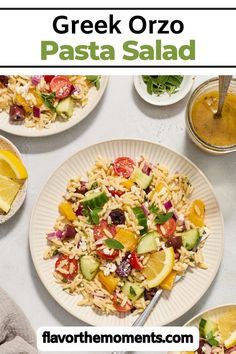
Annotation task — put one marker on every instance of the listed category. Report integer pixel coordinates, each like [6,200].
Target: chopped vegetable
[112,243]
[108,281]
[117,216]
[67,267]
[123,166]
[17,113]
[65,208]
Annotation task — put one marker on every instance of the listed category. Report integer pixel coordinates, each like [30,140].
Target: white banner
[117,41]
[144,339]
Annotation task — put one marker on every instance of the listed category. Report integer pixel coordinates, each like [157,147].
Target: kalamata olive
[124,269]
[83,189]
[175,242]
[69,231]
[17,113]
[79,210]
[117,216]
[4,80]
[148,294]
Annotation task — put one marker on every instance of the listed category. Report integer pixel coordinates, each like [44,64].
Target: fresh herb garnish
[95,80]
[132,291]
[92,215]
[153,208]
[116,245]
[47,99]
[211,339]
[162,217]
[160,84]
[94,185]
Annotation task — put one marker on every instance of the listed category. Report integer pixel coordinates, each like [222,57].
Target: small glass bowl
[206,86]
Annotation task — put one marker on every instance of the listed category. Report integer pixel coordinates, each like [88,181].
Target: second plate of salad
[42,105]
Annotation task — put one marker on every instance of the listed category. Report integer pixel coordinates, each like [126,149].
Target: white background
[121,113]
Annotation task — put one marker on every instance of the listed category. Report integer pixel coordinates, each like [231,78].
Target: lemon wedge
[11,166]
[8,192]
[158,267]
[227,328]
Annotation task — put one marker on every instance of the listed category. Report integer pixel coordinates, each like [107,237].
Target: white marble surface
[121,113]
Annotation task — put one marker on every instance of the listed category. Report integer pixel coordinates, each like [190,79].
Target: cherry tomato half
[115,192]
[117,304]
[134,261]
[98,230]
[169,227]
[107,257]
[70,266]
[123,166]
[48,78]
[61,86]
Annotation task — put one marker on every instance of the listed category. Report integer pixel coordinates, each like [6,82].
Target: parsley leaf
[153,208]
[47,99]
[211,339]
[92,215]
[161,218]
[116,245]
[95,79]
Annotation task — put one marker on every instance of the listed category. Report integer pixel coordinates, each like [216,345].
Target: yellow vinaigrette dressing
[215,131]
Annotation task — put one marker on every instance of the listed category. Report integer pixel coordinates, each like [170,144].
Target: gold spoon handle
[224,82]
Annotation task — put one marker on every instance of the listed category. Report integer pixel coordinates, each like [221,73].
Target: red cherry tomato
[61,86]
[134,261]
[98,230]
[48,78]
[123,166]
[169,227]
[107,257]
[117,304]
[115,192]
[70,266]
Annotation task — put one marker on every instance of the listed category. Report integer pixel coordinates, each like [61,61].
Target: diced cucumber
[95,200]
[89,266]
[142,219]
[147,243]
[207,328]
[132,290]
[65,108]
[190,239]
[142,180]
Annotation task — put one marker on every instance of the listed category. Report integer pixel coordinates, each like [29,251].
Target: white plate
[212,314]
[79,114]
[188,291]
[5,144]
[165,99]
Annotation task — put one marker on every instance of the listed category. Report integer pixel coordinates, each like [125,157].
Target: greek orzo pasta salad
[126,229]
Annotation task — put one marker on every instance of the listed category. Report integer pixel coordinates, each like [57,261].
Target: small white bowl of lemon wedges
[13,180]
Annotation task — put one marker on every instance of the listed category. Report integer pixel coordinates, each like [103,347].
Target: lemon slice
[159,266]
[11,166]
[227,328]
[8,192]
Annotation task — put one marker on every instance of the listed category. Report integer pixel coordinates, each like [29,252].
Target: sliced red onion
[99,295]
[74,90]
[51,236]
[36,79]
[145,210]
[36,112]
[59,234]
[168,205]
[79,210]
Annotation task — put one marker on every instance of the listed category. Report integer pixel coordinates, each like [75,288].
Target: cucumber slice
[190,239]
[132,290]
[142,219]
[147,243]
[142,180]
[95,200]
[207,328]
[89,266]
[65,108]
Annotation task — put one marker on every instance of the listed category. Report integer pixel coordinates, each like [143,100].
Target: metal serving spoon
[146,313]
[224,82]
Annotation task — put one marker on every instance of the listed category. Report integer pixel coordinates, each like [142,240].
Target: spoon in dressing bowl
[224,82]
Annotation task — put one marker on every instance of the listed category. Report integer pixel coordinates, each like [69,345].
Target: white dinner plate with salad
[43,105]
[217,329]
[186,292]
[163,90]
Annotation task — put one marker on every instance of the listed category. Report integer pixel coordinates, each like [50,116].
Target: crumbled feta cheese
[23,90]
[181,217]
[83,244]
[109,268]
[134,189]
[106,251]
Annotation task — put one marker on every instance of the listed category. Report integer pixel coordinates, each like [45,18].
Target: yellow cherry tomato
[197,213]
[65,209]
[109,282]
[128,239]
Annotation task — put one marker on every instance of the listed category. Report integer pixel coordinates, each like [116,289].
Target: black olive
[148,294]
[117,216]
[17,113]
